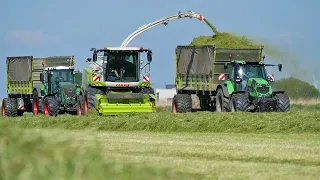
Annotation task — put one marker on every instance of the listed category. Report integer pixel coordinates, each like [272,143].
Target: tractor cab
[54,78]
[121,64]
[252,77]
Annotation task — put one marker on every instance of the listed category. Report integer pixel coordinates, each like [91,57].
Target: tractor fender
[238,92]
[277,92]
[224,89]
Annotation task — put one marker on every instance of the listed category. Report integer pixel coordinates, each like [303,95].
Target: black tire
[147,90]
[239,103]
[222,102]
[50,106]
[283,102]
[35,103]
[91,92]
[182,103]
[9,107]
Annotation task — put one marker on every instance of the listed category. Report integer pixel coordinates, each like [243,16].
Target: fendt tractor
[41,85]
[113,83]
[225,80]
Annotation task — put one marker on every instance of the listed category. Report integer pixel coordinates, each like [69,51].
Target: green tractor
[59,92]
[207,78]
[113,85]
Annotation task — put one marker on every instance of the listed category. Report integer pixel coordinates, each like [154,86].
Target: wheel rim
[86,109]
[3,111]
[79,109]
[174,108]
[46,109]
[35,107]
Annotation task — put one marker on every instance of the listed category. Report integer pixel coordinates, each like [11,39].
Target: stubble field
[201,145]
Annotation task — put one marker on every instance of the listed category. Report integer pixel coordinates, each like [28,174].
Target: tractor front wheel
[239,103]
[50,106]
[9,107]
[283,102]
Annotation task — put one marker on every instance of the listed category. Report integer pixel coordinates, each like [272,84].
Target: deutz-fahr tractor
[225,79]
[112,83]
[59,92]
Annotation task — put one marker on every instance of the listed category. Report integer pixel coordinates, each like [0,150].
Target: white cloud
[30,37]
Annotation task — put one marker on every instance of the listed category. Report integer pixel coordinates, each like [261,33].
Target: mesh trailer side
[194,67]
[222,57]
[59,61]
[19,74]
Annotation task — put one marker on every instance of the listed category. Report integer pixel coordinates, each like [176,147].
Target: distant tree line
[297,89]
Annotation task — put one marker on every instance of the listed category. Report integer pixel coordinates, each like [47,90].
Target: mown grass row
[301,119]
[30,156]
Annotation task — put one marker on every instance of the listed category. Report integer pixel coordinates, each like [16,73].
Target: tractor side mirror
[225,65]
[94,59]
[149,56]
[88,59]
[280,67]
[41,77]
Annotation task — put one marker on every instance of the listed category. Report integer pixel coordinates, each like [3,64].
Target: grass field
[200,145]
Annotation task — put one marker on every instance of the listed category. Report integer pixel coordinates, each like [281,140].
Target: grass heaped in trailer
[223,39]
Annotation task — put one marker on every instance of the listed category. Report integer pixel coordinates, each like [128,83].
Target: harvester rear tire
[91,92]
[182,103]
[283,102]
[222,102]
[50,106]
[239,103]
[147,90]
[9,107]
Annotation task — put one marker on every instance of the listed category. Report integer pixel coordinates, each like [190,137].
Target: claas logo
[122,85]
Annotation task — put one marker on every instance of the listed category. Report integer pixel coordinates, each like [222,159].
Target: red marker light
[230,56]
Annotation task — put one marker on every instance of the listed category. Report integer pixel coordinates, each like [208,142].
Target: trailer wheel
[91,96]
[35,103]
[239,103]
[181,103]
[50,106]
[9,107]
[222,102]
[283,102]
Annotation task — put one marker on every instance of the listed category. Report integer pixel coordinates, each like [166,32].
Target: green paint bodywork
[229,85]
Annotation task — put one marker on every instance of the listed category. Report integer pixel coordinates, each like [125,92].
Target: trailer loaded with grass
[225,80]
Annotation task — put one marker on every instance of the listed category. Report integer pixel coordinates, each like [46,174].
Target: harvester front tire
[50,106]
[222,102]
[239,103]
[9,107]
[283,102]
[181,103]
[91,96]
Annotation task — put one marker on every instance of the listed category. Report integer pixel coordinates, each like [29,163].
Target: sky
[71,27]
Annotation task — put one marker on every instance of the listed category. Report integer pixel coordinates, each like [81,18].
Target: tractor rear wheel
[181,103]
[9,107]
[50,106]
[222,102]
[283,102]
[239,102]
[91,92]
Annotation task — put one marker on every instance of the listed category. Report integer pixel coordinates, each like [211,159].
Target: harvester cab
[118,81]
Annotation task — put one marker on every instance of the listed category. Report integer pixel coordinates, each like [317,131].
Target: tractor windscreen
[251,71]
[122,66]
